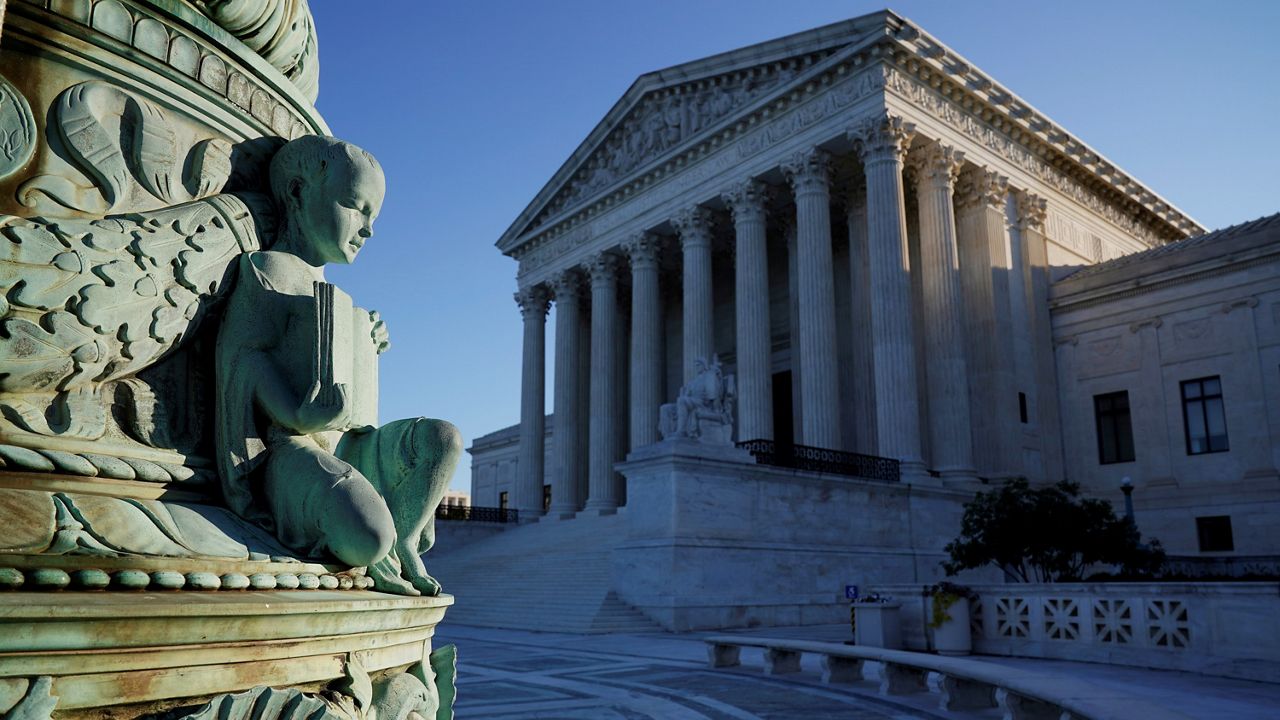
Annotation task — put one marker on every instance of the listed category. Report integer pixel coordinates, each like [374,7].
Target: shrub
[1048,534]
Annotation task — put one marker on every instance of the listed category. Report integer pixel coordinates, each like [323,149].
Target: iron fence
[470,513]
[804,457]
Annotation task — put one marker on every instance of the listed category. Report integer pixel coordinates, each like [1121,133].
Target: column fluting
[747,200]
[694,228]
[809,174]
[863,361]
[602,492]
[935,168]
[534,302]
[882,144]
[646,339]
[568,455]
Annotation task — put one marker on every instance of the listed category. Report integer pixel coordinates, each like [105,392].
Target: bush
[1048,534]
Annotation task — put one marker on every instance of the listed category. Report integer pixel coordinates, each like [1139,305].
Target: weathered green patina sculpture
[189,445]
[294,452]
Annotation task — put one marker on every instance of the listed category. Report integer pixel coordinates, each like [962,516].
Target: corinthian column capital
[534,301]
[882,138]
[747,200]
[936,163]
[981,187]
[566,285]
[809,171]
[1032,210]
[603,268]
[694,226]
[642,250]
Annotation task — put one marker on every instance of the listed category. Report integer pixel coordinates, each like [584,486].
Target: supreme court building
[895,256]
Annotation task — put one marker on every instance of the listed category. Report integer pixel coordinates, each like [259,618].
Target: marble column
[863,370]
[985,267]
[534,302]
[694,227]
[568,455]
[1032,211]
[935,168]
[646,339]
[882,144]
[809,173]
[747,200]
[602,451]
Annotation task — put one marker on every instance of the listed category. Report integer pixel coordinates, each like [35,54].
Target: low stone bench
[963,683]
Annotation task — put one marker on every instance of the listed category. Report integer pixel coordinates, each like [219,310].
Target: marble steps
[549,576]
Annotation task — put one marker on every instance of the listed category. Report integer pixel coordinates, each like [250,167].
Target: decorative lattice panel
[977,624]
[1013,617]
[1061,619]
[1113,621]
[1167,624]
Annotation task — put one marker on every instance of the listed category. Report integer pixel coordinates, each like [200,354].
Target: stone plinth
[716,541]
[134,653]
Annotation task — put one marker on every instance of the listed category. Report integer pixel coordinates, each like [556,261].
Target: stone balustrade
[1221,628]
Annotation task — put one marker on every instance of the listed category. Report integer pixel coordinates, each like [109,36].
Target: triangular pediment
[664,111]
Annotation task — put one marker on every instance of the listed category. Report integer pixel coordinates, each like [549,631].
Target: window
[1214,532]
[546,498]
[1115,433]
[1204,416]
[502,500]
[1022,407]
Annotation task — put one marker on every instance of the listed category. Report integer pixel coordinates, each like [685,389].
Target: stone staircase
[549,576]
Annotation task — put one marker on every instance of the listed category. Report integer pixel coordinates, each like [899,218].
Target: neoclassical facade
[854,211]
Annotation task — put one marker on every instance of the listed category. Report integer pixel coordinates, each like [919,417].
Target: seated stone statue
[704,408]
[295,454]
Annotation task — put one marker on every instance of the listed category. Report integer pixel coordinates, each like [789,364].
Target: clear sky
[472,105]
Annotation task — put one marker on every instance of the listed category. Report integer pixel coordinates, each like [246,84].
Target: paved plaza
[517,674]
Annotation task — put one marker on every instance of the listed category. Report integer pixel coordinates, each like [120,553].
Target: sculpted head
[329,192]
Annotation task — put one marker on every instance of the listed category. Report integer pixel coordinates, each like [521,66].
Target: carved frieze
[818,104]
[989,137]
[666,118]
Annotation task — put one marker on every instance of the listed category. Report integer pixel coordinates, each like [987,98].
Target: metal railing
[804,457]
[470,513]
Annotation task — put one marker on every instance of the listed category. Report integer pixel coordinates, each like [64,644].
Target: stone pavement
[518,674]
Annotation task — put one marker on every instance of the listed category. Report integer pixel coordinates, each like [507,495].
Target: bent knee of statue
[359,527]
[438,440]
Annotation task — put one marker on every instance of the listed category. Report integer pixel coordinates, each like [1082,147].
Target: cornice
[947,72]
[1202,270]
[907,56]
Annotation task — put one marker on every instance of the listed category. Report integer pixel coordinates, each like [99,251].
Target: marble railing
[1220,628]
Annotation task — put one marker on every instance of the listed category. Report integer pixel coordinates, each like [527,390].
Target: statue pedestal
[135,653]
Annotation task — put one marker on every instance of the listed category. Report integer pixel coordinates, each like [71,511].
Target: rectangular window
[1214,532]
[1115,432]
[502,500]
[546,498]
[1204,416]
[1022,407]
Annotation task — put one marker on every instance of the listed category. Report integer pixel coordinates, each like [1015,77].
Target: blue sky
[472,105]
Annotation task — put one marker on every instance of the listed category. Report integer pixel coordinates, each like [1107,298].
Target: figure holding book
[297,386]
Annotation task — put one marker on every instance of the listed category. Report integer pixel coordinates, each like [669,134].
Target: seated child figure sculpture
[291,456]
